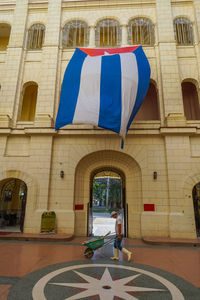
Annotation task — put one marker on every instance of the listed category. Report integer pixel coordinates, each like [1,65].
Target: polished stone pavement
[59,270]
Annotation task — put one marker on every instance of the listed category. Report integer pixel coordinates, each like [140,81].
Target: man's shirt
[118,221]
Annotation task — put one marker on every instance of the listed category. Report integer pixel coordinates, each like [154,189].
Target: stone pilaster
[124,35]
[197,15]
[172,95]
[197,32]
[92,37]
[49,67]
[13,64]
[181,215]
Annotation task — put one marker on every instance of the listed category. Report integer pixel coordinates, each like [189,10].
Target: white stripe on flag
[129,87]
[88,102]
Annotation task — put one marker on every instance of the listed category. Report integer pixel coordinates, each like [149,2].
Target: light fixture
[155,175]
[62,174]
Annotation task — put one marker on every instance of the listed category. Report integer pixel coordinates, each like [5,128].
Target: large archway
[107,187]
[130,172]
[13,192]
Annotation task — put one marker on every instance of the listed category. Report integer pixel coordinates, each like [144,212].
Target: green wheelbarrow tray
[95,244]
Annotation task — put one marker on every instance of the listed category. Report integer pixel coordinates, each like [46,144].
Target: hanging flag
[104,87]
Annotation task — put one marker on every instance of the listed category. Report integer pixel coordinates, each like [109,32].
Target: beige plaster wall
[33,152]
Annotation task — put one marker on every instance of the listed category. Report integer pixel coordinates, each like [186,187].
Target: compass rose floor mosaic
[104,280]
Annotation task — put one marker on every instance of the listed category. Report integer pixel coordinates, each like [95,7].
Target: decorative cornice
[106,3]
[148,130]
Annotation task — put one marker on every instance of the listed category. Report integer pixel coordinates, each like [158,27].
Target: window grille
[141,32]
[75,34]
[36,36]
[108,33]
[183,31]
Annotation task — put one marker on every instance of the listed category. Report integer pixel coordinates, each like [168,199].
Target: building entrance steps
[167,241]
[36,237]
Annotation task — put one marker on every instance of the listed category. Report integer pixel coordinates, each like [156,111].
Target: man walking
[119,237]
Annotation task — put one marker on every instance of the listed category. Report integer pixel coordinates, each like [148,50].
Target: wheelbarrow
[95,244]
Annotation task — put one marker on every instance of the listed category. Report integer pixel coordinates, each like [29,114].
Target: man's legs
[128,253]
[116,257]
[117,246]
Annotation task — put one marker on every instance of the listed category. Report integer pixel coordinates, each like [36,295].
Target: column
[171,85]
[196,30]
[14,64]
[124,35]
[179,165]
[49,66]
[197,15]
[92,37]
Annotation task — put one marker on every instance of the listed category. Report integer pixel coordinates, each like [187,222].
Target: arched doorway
[107,194]
[130,172]
[196,202]
[13,194]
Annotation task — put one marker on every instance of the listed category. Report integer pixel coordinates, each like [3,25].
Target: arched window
[36,36]
[149,109]
[108,33]
[75,34]
[141,31]
[4,36]
[190,101]
[183,31]
[29,102]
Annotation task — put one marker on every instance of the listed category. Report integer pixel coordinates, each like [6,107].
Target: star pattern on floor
[106,287]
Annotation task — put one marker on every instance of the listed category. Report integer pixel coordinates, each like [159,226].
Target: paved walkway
[36,237]
[103,225]
[58,270]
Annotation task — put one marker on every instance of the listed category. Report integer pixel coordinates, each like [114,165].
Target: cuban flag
[104,87]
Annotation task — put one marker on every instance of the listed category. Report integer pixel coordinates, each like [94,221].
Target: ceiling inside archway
[106,174]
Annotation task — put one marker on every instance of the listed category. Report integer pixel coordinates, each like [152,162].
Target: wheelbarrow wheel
[88,253]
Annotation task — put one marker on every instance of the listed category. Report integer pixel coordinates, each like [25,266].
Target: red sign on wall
[149,207]
[79,206]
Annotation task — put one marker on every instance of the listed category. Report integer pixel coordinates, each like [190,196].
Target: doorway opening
[107,194]
[13,194]
[196,202]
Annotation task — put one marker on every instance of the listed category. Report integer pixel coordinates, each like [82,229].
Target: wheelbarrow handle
[107,234]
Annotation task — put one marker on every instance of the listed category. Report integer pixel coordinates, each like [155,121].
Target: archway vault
[130,171]
[188,189]
[31,193]
[13,193]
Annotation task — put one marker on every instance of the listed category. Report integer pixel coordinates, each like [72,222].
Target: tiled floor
[18,258]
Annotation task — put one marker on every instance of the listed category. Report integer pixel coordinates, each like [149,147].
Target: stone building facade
[160,162]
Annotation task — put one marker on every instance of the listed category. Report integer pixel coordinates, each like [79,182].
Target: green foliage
[100,186]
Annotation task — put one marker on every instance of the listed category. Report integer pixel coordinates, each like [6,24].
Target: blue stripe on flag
[144,73]
[70,89]
[110,93]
